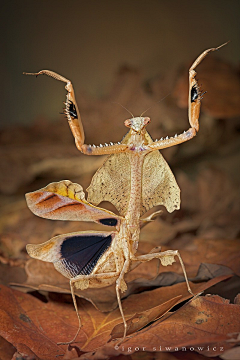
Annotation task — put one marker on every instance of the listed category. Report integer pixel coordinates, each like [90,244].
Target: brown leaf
[151,300]
[139,320]
[16,310]
[7,350]
[108,352]
[202,324]
[40,326]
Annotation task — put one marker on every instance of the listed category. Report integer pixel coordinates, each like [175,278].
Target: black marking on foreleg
[70,109]
[194,93]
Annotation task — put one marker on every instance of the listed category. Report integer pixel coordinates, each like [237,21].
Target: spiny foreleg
[194,104]
[74,120]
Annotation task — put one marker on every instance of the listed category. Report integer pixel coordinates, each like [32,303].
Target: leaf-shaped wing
[159,186]
[73,254]
[64,200]
[111,183]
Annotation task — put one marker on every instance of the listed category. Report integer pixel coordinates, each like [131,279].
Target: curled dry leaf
[139,320]
[204,321]
[213,215]
[9,273]
[39,326]
[164,293]
[202,325]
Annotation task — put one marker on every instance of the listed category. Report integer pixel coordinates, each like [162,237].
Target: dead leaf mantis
[134,178]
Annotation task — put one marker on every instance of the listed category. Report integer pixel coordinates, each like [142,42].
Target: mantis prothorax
[134,178]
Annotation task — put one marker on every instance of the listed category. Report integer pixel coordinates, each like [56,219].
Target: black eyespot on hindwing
[80,253]
[194,93]
[109,222]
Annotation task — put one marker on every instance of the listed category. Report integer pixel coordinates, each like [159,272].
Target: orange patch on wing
[73,207]
[47,247]
[50,200]
[33,197]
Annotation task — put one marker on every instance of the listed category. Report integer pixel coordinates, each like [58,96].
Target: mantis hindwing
[134,178]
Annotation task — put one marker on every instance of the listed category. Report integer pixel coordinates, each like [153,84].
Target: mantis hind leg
[166,258]
[78,279]
[79,319]
[121,286]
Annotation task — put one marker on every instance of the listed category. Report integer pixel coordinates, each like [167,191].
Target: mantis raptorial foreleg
[74,119]
[194,104]
[75,123]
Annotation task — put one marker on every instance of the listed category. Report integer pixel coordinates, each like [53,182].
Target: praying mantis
[134,178]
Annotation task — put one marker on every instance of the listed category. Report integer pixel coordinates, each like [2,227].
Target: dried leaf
[7,350]
[19,312]
[202,324]
[156,311]
[139,320]
[40,326]
[105,352]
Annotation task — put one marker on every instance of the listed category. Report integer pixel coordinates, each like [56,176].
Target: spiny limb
[194,104]
[71,109]
[177,139]
[49,73]
[166,258]
[72,113]
[204,54]
[195,95]
[106,149]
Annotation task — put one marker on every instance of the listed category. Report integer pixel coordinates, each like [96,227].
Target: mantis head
[137,124]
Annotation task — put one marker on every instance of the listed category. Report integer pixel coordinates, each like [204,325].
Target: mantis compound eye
[146,120]
[127,123]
